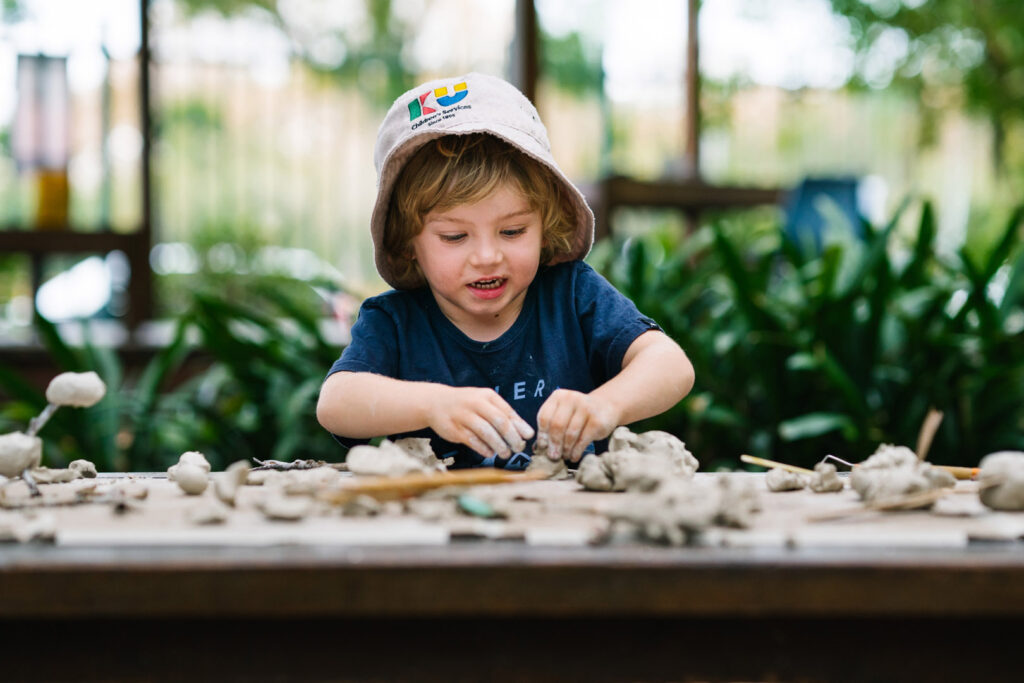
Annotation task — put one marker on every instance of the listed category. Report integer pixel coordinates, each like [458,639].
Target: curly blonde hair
[463,169]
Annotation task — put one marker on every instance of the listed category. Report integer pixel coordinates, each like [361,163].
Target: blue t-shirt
[572,333]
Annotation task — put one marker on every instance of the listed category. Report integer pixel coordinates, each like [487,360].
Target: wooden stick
[928,428]
[763,462]
[910,501]
[408,485]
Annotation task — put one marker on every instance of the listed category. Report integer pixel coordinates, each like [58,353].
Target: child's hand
[571,420]
[480,419]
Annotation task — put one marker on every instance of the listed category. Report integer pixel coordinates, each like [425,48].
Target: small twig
[764,462]
[37,422]
[30,482]
[928,428]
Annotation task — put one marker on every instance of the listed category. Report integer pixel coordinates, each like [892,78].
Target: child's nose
[486,251]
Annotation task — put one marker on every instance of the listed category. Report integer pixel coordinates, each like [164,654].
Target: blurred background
[818,198]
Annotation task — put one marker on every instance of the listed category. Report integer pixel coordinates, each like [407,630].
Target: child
[496,330]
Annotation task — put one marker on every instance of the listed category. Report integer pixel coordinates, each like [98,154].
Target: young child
[496,330]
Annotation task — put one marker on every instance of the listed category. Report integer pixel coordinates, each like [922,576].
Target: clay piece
[826,479]
[540,462]
[46,475]
[207,511]
[18,452]
[387,460]
[1001,481]
[679,509]
[85,468]
[27,527]
[76,389]
[895,471]
[227,483]
[636,462]
[420,449]
[286,508]
[191,473]
[779,479]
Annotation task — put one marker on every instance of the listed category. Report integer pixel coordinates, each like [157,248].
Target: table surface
[535,596]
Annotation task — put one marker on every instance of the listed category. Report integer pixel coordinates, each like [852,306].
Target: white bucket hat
[474,103]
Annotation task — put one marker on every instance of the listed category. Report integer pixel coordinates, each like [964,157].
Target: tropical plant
[801,353]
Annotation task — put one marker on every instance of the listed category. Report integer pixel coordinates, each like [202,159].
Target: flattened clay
[207,511]
[540,462]
[779,479]
[29,526]
[227,483]
[826,479]
[45,475]
[306,482]
[679,509]
[387,460]
[285,508]
[19,452]
[84,468]
[895,471]
[76,389]
[1002,480]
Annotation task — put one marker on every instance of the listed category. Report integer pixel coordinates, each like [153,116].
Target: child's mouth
[488,289]
[488,284]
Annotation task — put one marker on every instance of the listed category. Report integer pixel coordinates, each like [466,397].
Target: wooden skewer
[408,485]
[763,462]
[910,501]
[928,428]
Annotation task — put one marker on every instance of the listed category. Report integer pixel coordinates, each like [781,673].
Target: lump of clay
[226,484]
[540,462]
[76,389]
[655,443]
[779,479]
[45,475]
[895,471]
[420,449]
[84,468]
[192,473]
[285,508]
[826,479]
[636,462]
[387,460]
[679,509]
[19,452]
[207,511]
[1001,481]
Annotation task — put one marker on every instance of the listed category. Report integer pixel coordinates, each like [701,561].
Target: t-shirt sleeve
[374,344]
[609,319]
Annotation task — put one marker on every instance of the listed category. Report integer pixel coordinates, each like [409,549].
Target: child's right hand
[480,419]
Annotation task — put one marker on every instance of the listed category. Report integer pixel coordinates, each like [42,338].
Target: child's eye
[452,238]
[513,232]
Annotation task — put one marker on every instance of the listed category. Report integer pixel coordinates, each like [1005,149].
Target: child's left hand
[571,420]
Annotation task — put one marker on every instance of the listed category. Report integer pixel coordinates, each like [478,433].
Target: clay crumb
[779,480]
[826,479]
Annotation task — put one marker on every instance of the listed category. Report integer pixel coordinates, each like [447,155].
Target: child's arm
[362,405]
[655,375]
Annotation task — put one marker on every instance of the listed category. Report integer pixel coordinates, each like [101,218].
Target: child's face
[479,259]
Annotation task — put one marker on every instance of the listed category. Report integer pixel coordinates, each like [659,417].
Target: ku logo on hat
[418,107]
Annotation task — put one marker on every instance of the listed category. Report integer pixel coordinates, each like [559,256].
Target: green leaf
[816,424]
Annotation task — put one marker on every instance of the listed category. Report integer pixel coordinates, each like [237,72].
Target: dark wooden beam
[140,294]
[527,52]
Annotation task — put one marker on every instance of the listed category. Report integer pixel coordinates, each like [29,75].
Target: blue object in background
[820,202]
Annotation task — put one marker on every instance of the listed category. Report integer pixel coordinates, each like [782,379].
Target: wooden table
[481,610]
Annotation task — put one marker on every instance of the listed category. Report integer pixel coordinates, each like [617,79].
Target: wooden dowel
[763,462]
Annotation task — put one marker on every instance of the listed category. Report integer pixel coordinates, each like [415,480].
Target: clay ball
[1002,480]
[192,479]
[76,389]
[18,452]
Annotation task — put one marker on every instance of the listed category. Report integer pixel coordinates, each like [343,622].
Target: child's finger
[573,432]
[523,427]
[489,435]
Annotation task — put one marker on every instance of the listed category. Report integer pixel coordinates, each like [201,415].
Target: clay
[895,471]
[84,468]
[285,508]
[227,483]
[779,479]
[679,509]
[826,479]
[387,460]
[207,511]
[540,462]
[192,479]
[76,389]
[194,458]
[45,475]
[19,452]
[420,449]
[307,482]
[636,462]
[25,527]
[1001,481]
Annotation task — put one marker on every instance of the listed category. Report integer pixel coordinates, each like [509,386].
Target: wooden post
[140,296]
[526,67]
